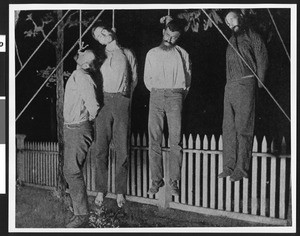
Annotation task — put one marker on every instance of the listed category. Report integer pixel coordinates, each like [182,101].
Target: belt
[247,76]
[77,125]
[167,89]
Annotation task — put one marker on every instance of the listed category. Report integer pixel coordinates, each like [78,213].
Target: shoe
[78,221]
[238,175]
[174,188]
[225,173]
[155,186]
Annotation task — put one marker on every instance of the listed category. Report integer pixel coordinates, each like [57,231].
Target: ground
[40,208]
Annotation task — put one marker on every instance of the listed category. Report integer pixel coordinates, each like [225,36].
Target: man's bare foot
[99,199]
[120,200]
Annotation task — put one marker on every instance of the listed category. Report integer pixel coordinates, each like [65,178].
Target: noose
[113,28]
[81,43]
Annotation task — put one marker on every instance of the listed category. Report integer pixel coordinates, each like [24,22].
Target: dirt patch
[39,208]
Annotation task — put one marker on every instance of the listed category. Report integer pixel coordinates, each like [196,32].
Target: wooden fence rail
[263,197]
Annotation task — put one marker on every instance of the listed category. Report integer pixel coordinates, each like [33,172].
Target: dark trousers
[238,124]
[112,124]
[165,103]
[77,140]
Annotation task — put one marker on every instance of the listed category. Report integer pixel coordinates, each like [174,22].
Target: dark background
[140,31]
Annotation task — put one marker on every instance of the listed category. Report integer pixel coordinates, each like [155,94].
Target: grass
[40,208]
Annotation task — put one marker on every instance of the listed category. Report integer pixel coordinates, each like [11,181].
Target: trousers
[77,140]
[112,125]
[238,124]
[165,103]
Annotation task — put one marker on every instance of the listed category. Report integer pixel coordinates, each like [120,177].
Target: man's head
[233,20]
[171,34]
[103,34]
[85,59]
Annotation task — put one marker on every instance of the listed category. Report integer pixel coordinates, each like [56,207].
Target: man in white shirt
[167,76]
[80,109]
[112,123]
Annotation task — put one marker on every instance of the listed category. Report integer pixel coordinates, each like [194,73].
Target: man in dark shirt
[239,98]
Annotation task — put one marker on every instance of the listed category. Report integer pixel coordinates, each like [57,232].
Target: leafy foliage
[52,80]
[102,218]
[37,29]
[196,17]
[259,19]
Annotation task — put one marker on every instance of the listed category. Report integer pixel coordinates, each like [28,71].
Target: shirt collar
[112,46]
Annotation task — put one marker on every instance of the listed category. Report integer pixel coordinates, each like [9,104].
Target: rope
[286,51]
[247,65]
[59,65]
[80,30]
[169,12]
[113,18]
[41,44]
[18,55]
[113,21]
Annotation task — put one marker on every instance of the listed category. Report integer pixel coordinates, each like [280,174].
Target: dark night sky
[140,30]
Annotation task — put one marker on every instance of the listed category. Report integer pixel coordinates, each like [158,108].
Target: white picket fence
[264,197]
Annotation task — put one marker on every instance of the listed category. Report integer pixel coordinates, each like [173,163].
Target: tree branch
[40,29]
[70,21]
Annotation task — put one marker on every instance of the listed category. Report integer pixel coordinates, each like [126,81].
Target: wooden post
[205,173]
[197,172]
[190,188]
[289,211]
[263,178]
[20,138]
[213,173]
[254,179]
[139,166]
[220,180]
[183,174]
[145,167]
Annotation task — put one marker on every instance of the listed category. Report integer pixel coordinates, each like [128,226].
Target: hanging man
[167,76]
[239,98]
[80,110]
[119,73]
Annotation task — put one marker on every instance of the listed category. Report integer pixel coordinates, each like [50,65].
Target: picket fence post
[20,138]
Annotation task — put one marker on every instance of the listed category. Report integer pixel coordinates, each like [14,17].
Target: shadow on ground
[39,208]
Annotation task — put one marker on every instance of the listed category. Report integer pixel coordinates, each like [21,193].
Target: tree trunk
[61,186]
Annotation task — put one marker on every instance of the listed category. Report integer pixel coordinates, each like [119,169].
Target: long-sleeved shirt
[167,69]
[252,48]
[80,102]
[118,69]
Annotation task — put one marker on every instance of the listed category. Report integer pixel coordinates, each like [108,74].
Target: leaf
[28,33]
[184,15]
[216,17]
[186,28]
[197,14]
[195,27]
[209,23]
[29,17]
